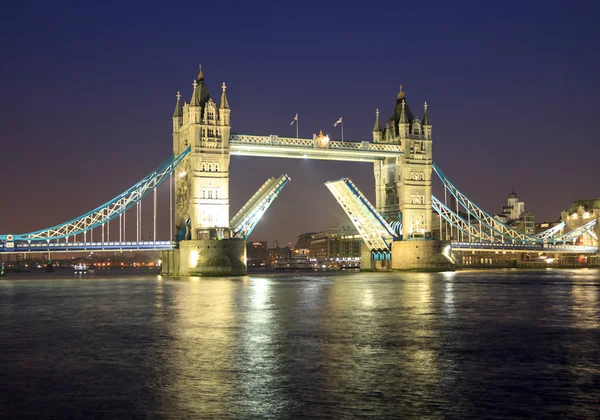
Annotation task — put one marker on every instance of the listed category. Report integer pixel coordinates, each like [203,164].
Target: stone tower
[204,241]
[202,180]
[403,184]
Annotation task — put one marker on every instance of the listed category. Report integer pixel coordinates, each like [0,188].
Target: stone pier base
[412,255]
[422,255]
[206,257]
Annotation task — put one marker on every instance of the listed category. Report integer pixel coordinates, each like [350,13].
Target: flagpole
[297,124]
[342,129]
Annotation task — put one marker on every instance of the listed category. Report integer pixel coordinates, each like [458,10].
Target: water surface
[472,344]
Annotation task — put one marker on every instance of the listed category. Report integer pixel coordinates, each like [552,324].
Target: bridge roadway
[22,247]
[42,246]
[291,147]
[538,247]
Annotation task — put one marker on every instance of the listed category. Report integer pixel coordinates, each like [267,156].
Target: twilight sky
[87,92]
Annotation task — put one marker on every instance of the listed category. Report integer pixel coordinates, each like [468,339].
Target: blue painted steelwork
[244,222]
[575,233]
[458,222]
[549,233]
[495,226]
[367,204]
[397,226]
[107,211]
[542,244]
[501,231]
[374,230]
[44,247]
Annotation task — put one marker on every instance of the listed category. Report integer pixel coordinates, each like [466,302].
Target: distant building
[580,213]
[588,206]
[302,246]
[256,253]
[338,242]
[276,254]
[514,215]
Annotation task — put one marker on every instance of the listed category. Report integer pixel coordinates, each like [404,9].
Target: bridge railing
[274,140]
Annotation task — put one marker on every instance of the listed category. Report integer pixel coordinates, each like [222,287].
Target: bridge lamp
[182,174]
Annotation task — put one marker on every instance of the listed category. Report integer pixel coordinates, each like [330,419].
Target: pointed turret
[403,117]
[377,133]
[177,114]
[194,101]
[224,116]
[377,126]
[224,104]
[403,121]
[426,123]
[178,109]
[425,115]
[393,123]
[200,95]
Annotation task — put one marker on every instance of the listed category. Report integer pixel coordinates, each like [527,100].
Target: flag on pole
[338,122]
[295,119]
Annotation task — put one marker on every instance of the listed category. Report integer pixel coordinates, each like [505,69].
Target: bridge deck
[22,247]
[288,147]
[534,247]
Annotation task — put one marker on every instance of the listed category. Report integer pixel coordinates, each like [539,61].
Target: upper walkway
[297,148]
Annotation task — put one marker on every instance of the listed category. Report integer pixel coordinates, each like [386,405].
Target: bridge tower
[202,183]
[202,187]
[403,189]
[403,184]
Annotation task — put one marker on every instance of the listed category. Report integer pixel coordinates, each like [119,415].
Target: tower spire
[425,115]
[195,101]
[200,72]
[178,109]
[377,126]
[224,104]
[403,117]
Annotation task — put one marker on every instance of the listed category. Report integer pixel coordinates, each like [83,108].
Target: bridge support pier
[206,257]
[412,255]
[422,255]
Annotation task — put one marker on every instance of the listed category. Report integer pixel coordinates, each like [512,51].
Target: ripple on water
[506,344]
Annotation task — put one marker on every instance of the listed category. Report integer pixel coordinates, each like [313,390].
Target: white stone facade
[202,180]
[403,184]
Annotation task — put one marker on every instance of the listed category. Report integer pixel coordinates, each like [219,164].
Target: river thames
[469,344]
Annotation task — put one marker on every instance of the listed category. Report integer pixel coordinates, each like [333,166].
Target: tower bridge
[398,230]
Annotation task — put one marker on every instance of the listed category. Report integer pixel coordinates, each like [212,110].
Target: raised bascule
[407,228]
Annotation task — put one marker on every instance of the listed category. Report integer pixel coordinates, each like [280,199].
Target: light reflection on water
[508,344]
